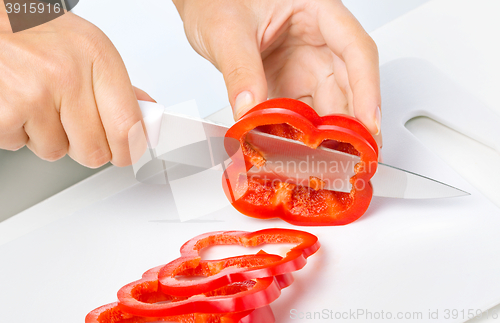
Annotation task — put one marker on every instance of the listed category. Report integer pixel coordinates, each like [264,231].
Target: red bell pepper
[296,204]
[112,313]
[144,298]
[216,274]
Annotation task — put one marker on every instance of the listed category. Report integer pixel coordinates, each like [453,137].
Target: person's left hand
[311,50]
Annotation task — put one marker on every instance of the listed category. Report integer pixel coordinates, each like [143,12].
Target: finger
[116,102]
[346,38]
[309,76]
[295,74]
[12,134]
[297,82]
[342,81]
[88,144]
[237,55]
[307,100]
[14,140]
[328,93]
[142,95]
[379,140]
[330,99]
[47,138]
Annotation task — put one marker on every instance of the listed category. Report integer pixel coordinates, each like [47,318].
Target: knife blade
[295,162]
[202,146]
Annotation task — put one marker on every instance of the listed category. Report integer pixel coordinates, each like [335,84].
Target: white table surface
[459,151]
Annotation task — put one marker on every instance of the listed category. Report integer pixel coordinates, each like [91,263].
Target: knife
[195,144]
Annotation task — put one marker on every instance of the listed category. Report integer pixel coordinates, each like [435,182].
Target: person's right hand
[64,90]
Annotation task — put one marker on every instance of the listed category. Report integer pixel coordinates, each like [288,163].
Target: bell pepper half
[215,274]
[112,313]
[145,298]
[297,204]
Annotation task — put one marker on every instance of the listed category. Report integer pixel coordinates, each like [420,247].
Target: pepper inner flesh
[298,199]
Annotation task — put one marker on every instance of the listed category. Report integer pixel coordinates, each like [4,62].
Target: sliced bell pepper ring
[296,204]
[215,274]
[144,298]
[200,276]
[112,313]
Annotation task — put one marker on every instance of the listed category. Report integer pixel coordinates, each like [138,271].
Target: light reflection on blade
[390,181]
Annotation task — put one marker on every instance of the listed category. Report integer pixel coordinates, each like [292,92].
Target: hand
[64,89]
[311,50]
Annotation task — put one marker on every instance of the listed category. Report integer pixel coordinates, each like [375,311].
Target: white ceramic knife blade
[291,161]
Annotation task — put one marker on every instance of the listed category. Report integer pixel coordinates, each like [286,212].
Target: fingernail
[244,102]
[380,157]
[149,98]
[143,95]
[378,120]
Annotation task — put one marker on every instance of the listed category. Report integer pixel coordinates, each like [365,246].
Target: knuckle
[97,158]
[32,98]
[55,66]
[95,42]
[64,70]
[53,155]
[12,146]
[39,99]
[368,44]
[371,44]
[363,44]
[89,37]
[18,147]
[122,162]
[123,125]
[10,121]
[239,72]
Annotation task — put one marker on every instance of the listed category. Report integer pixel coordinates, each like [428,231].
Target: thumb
[238,58]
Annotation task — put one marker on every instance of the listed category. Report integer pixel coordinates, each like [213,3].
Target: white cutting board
[415,256]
